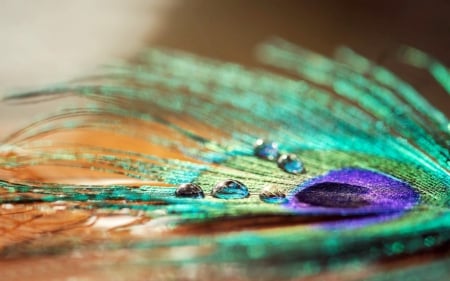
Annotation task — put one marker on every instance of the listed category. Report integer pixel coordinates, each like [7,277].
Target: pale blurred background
[48,41]
[51,41]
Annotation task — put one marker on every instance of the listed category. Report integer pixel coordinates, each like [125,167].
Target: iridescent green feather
[348,112]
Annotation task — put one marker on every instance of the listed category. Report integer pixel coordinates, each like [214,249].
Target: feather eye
[167,154]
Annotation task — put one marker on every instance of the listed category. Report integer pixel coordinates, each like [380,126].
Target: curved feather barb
[159,171]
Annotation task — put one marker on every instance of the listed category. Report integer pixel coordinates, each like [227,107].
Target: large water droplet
[272,194]
[189,190]
[290,163]
[334,195]
[266,150]
[352,191]
[230,189]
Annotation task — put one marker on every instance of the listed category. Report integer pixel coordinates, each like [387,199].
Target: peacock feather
[173,166]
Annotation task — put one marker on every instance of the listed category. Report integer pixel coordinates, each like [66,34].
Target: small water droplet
[266,150]
[272,194]
[290,163]
[230,189]
[189,190]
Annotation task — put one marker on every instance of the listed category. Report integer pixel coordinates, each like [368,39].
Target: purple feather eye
[353,191]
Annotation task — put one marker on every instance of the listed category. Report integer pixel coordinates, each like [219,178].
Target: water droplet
[334,195]
[272,194]
[290,163]
[189,190]
[266,150]
[230,189]
[353,191]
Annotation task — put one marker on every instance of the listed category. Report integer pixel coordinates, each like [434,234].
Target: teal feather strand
[345,113]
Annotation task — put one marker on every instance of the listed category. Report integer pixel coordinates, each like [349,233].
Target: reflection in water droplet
[272,194]
[290,163]
[266,150]
[189,190]
[230,189]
